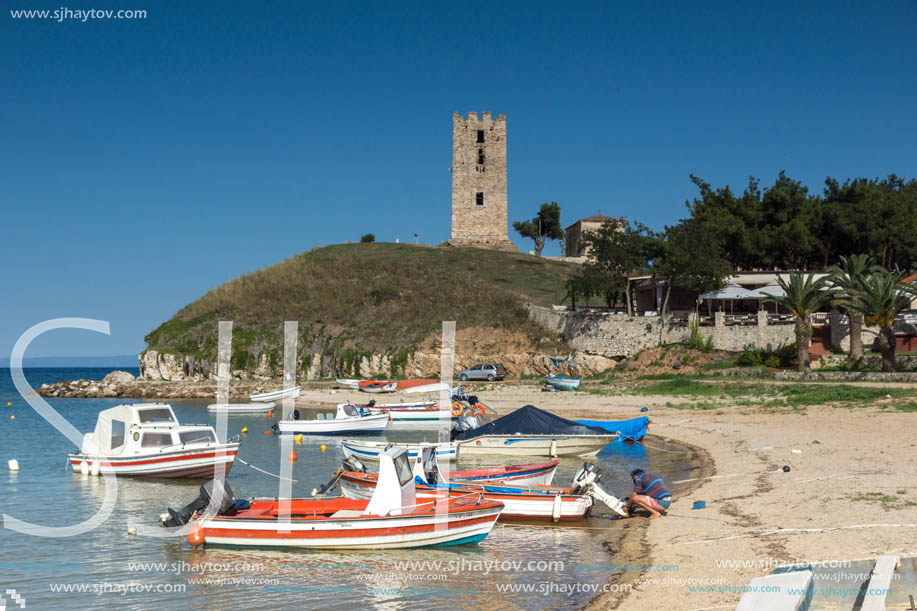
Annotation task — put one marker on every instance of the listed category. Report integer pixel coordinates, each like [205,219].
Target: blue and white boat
[562,382]
[370,450]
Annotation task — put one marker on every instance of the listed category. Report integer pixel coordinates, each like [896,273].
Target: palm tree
[804,296]
[845,276]
[880,298]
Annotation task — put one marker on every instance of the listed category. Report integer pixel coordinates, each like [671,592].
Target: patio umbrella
[772,290]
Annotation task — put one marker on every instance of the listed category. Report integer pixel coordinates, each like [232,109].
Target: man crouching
[649,493]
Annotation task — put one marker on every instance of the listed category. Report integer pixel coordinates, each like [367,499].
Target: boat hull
[276,395]
[338,426]
[196,463]
[460,521]
[370,450]
[563,383]
[532,445]
[241,408]
[529,507]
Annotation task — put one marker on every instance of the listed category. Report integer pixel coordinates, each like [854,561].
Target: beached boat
[392,518]
[360,485]
[347,419]
[417,410]
[529,431]
[414,383]
[147,440]
[241,408]
[562,382]
[348,383]
[370,450]
[277,395]
[522,502]
[374,386]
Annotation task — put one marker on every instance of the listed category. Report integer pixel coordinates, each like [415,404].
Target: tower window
[480,135]
[479,198]
[480,156]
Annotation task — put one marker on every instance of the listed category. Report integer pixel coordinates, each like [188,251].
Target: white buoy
[96,467]
[14,464]
[555,510]
[132,531]
[84,467]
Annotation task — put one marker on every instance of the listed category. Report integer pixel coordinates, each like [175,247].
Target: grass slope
[356,299]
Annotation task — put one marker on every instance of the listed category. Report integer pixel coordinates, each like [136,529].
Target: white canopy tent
[731,293]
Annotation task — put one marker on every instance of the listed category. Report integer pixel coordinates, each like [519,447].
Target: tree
[618,249]
[846,276]
[692,259]
[804,296]
[880,297]
[367,237]
[545,226]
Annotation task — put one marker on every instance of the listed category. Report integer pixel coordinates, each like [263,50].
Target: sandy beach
[851,491]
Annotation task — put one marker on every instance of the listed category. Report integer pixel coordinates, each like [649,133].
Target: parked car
[484,371]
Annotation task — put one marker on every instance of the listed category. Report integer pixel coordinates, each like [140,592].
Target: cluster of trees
[869,293]
[545,226]
[780,227]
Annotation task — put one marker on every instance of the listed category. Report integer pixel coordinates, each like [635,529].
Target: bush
[783,357]
[367,237]
[697,340]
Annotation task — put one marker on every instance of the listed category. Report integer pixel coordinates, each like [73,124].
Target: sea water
[516,567]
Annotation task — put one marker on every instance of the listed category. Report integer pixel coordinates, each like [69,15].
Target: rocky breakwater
[112,385]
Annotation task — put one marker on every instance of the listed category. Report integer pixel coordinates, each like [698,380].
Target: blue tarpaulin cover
[635,428]
[530,420]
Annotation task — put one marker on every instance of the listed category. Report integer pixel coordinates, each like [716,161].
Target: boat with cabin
[347,419]
[146,439]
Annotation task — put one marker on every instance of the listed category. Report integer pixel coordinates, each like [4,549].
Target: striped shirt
[650,484]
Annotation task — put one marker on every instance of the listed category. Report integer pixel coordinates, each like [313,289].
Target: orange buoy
[323,447]
[196,536]
[270,414]
[292,456]
[267,432]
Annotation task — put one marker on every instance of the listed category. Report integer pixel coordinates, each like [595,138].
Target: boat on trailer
[392,518]
[357,484]
[347,419]
[241,408]
[146,439]
[277,395]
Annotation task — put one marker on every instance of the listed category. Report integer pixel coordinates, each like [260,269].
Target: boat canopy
[110,435]
[530,420]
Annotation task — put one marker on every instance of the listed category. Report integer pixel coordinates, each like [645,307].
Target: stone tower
[479,182]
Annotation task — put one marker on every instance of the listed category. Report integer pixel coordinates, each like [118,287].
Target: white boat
[277,395]
[550,446]
[374,386]
[347,419]
[370,450]
[241,408]
[417,410]
[392,518]
[562,382]
[147,440]
[348,383]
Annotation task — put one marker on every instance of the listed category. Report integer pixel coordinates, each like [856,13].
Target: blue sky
[146,161]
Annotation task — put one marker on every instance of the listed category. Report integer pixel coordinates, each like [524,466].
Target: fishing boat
[347,419]
[240,408]
[348,383]
[414,383]
[562,382]
[375,386]
[392,518]
[370,450]
[277,395]
[360,484]
[529,431]
[417,410]
[522,502]
[146,439]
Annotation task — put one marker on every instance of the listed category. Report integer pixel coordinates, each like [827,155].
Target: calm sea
[106,567]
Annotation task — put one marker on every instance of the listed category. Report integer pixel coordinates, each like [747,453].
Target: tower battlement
[479,194]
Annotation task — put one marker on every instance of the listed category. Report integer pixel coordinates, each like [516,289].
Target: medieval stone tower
[479,182]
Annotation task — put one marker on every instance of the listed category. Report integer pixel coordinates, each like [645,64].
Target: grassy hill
[353,300]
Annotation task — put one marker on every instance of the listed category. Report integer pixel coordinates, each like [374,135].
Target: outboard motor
[352,463]
[216,489]
[466,422]
[586,481]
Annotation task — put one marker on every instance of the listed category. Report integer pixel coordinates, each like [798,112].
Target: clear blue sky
[146,161]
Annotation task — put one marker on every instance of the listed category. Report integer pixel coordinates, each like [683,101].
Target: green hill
[356,300]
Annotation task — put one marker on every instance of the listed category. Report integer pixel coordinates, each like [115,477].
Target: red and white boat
[359,485]
[522,503]
[413,411]
[377,386]
[392,518]
[147,440]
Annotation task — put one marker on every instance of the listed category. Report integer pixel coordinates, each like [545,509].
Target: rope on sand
[266,472]
[797,531]
[694,479]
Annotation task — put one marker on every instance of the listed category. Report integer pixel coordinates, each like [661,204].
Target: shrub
[367,237]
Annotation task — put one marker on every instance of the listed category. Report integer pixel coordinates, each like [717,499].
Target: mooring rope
[263,471]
